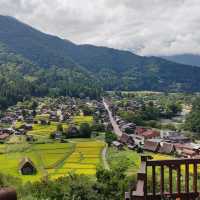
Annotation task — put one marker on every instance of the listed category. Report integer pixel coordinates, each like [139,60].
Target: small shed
[27,167]
[151,146]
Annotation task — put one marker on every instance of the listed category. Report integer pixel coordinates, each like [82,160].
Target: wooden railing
[8,194]
[166,179]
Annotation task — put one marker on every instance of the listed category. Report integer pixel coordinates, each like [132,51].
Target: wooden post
[154,180]
[170,180]
[187,178]
[162,180]
[178,183]
[195,177]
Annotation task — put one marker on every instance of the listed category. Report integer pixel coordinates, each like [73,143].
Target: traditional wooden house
[126,139]
[151,146]
[167,148]
[150,134]
[44,122]
[128,128]
[139,130]
[4,136]
[27,167]
[188,153]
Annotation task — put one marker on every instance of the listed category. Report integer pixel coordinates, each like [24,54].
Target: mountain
[187,59]
[49,65]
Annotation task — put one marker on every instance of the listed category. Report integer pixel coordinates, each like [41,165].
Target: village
[67,131]
[139,138]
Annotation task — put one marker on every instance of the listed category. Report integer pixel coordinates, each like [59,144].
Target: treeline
[149,114]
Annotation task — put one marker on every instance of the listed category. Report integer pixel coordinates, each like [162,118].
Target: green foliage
[110,137]
[59,128]
[192,122]
[85,130]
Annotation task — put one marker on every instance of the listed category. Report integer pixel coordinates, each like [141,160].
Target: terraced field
[84,160]
[52,159]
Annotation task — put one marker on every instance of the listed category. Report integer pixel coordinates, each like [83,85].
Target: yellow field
[84,160]
[78,120]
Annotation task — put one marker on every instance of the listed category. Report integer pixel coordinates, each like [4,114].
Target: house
[174,137]
[44,122]
[118,145]
[139,130]
[27,167]
[151,146]
[149,134]
[4,136]
[27,127]
[167,148]
[128,128]
[57,135]
[139,140]
[187,150]
[188,153]
[126,139]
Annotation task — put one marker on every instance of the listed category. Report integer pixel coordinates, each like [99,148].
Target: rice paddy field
[78,120]
[52,159]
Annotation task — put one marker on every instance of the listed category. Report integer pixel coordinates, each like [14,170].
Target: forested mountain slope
[42,64]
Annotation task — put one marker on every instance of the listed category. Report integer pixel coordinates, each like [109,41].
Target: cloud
[147,27]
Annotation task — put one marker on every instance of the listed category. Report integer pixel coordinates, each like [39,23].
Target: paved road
[105,163]
[116,128]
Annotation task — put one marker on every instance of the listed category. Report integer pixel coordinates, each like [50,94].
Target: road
[115,126]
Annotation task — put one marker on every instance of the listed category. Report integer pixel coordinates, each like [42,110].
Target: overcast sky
[147,27]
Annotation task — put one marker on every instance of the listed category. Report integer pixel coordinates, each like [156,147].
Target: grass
[80,156]
[78,120]
[130,158]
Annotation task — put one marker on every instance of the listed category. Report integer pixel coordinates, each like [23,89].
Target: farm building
[151,146]
[27,167]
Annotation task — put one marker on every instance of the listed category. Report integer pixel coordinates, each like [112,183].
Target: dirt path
[105,163]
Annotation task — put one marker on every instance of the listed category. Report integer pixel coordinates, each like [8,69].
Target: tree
[110,137]
[85,130]
[59,128]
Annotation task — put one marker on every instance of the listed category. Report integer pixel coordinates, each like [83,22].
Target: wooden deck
[166,179]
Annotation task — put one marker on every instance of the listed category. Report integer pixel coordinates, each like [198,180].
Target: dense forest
[21,79]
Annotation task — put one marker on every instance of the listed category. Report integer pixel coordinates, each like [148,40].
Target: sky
[145,27]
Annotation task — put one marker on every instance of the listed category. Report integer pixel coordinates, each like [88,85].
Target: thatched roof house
[126,139]
[167,148]
[27,167]
[151,146]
